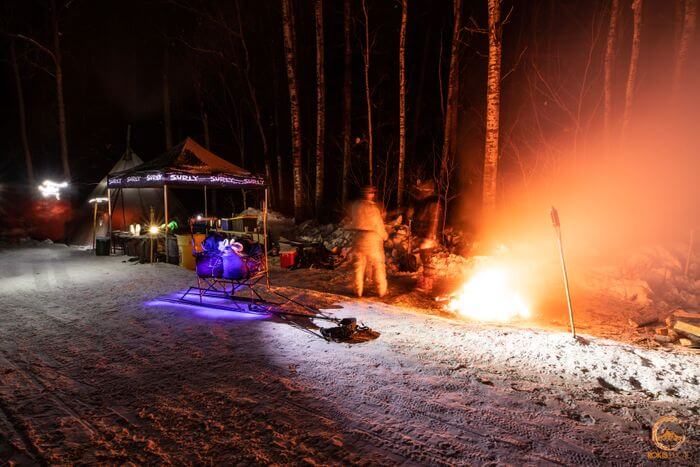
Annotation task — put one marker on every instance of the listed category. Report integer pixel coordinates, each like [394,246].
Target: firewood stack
[682,328]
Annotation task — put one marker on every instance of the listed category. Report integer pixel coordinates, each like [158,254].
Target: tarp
[187,164]
[129,206]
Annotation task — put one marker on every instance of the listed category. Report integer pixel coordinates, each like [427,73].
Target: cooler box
[288,258]
[199,227]
[250,223]
[102,246]
[185,246]
[240,224]
[232,223]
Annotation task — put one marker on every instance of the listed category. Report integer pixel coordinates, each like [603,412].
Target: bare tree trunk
[677,24]
[609,67]
[166,106]
[280,178]
[166,113]
[239,137]
[291,61]
[63,134]
[203,114]
[419,94]
[368,97]
[347,98]
[634,60]
[686,39]
[450,125]
[205,125]
[402,103]
[22,115]
[493,104]
[320,105]
[452,94]
[253,98]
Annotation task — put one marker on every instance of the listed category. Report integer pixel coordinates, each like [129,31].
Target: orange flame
[488,296]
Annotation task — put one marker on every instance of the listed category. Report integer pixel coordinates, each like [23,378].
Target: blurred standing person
[425,213]
[368,246]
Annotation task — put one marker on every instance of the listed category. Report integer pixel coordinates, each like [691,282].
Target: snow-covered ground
[94,368]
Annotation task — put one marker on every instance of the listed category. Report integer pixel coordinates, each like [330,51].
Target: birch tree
[493,102]
[21,112]
[634,62]
[609,65]
[347,98]
[402,103]
[320,105]
[686,40]
[368,97]
[291,63]
[255,106]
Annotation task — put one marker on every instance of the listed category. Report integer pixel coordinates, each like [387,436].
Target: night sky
[114,55]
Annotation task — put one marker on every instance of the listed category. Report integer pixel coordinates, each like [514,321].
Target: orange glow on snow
[488,296]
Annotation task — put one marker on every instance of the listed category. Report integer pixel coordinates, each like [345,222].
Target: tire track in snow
[41,390]
[19,428]
[82,341]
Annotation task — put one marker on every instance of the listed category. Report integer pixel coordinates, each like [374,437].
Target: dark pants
[426,257]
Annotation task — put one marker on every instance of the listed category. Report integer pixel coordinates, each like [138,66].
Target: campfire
[488,295]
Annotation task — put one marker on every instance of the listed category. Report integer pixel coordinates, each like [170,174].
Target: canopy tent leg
[267,264]
[121,194]
[94,226]
[206,211]
[165,205]
[109,211]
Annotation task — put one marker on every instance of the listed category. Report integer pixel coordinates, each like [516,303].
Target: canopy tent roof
[128,161]
[187,164]
[130,207]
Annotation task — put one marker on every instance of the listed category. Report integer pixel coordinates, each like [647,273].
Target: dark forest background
[115,53]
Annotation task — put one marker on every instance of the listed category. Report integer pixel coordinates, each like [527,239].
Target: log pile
[401,248]
[334,237]
[681,328]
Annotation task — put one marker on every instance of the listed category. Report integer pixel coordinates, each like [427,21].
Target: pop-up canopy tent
[131,206]
[187,165]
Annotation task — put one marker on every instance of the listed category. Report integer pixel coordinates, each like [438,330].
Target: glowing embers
[49,188]
[489,296]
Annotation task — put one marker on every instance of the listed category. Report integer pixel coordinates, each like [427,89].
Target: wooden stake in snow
[557,229]
[690,252]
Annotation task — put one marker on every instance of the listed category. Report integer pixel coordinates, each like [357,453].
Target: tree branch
[37,44]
